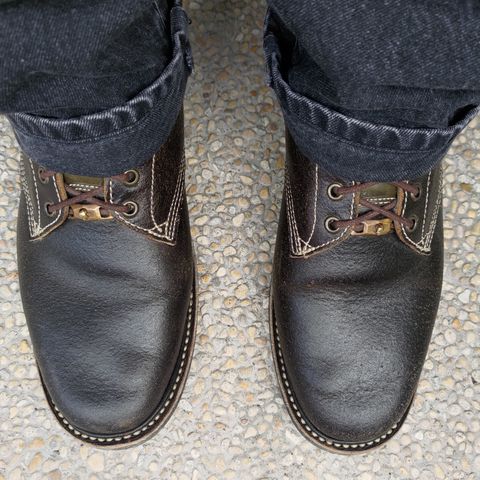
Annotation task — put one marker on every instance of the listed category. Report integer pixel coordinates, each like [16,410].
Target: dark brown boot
[356,286]
[108,287]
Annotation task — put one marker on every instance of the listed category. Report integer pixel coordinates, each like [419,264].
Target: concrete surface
[231,422]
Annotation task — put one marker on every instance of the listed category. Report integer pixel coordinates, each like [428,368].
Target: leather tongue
[82,183]
[379,194]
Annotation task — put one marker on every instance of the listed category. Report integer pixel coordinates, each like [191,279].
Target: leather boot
[356,286]
[107,281]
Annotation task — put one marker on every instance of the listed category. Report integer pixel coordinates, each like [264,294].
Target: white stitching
[152,186]
[424,243]
[424,220]
[83,185]
[314,207]
[181,370]
[289,392]
[175,205]
[28,200]
[294,238]
[168,227]
[380,200]
[35,227]
[309,248]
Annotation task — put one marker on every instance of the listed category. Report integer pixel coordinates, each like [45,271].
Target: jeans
[371,90]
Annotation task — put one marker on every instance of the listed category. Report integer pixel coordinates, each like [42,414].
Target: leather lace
[374,211]
[95,196]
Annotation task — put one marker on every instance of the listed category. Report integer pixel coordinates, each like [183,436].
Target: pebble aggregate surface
[231,422]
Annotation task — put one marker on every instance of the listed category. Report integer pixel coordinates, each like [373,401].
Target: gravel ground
[231,422]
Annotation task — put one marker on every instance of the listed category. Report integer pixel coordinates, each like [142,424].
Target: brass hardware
[413,219]
[134,177]
[375,227]
[47,209]
[418,195]
[331,191]
[87,213]
[133,209]
[328,224]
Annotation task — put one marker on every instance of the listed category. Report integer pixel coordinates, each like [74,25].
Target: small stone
[241,291]
[24,347]
[238,219]
[96,462]
[35,463]
[464,297]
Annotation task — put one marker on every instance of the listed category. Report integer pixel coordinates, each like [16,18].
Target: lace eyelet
[42,179]
[133,209]
[46,208]
[328,225]
[331,191]
[416,197]
[413,219]
[134,178]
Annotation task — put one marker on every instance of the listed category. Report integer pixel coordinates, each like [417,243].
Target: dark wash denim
[65,58]
[370,89]
[374,89]
[111,140]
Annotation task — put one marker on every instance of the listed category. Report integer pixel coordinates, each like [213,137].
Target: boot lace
[374,211]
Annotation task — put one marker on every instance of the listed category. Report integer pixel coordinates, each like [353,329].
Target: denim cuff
[348,148]
[114,140]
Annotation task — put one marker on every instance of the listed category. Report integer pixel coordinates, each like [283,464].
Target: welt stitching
[164,407]
[301,419]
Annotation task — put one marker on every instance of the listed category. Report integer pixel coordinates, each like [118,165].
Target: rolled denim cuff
[114,140]
[353,149]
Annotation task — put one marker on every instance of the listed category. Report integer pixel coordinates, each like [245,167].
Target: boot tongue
[379,194]
[82,183]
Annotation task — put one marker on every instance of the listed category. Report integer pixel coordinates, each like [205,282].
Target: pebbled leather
[352,317]
[158,193]
[109,305]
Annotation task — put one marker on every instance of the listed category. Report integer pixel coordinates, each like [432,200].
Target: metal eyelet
[416,197]
[328,224]
[133,209]
[42,179]
[47,211]
[135,177]
[331,191]
[414,219]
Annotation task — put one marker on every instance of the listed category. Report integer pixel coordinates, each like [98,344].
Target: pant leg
[377,89]
[92,87]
